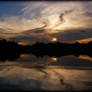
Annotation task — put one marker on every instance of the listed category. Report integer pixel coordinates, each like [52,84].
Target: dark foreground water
[47,73]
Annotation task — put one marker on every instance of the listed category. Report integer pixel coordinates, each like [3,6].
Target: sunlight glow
[25,56]
[23,43]
[85,57]
[54,59]
[85,40]
[54,39]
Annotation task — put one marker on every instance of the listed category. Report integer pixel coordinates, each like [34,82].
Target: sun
[54,39]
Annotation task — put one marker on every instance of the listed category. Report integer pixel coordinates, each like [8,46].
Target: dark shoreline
[10,50]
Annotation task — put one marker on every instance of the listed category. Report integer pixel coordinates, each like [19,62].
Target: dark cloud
[73,35]
[61,17]
[88,14]
[67,36]
[24,38]
[30,38]
[37,30]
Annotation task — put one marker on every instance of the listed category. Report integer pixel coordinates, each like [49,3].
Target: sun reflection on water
[54,59]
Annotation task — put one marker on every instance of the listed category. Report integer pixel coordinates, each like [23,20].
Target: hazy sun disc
[54,59]
[54,39]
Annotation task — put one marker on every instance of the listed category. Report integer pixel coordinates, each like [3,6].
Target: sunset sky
[28,22]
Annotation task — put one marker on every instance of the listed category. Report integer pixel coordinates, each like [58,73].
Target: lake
[29,72]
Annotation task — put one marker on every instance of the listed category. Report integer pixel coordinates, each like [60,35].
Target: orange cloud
[24,43]
[85,57]
[85,40]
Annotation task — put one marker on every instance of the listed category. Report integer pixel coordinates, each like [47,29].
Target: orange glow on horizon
[25,56]
[85,40]
[23,43]
[85,57]
[54,39]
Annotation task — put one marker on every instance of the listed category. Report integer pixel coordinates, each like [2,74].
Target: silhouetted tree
[10,50]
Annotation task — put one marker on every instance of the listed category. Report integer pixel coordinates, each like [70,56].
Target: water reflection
[69,61]
[85,57]
[54,59]
[29,72]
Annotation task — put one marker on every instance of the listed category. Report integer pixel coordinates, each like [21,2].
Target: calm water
[47,73]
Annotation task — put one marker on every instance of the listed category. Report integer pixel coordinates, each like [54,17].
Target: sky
[44,21]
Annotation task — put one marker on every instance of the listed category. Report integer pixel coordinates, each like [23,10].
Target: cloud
[45,19]
[73,35]
[86,40]
[88,14]
[65,36]
[51,11]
